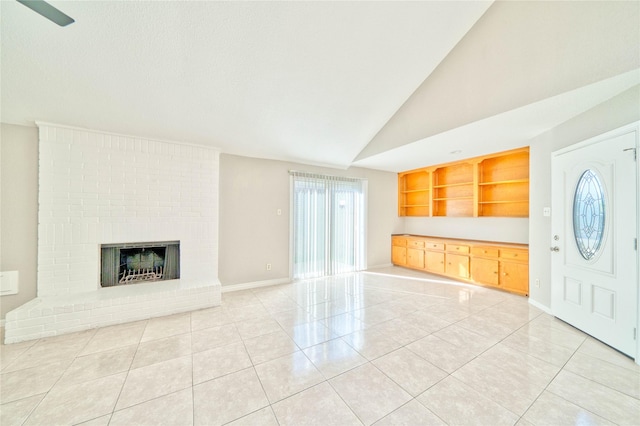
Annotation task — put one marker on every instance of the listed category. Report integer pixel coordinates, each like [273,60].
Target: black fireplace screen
[123,264]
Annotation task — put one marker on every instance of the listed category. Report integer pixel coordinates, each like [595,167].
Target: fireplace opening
[134,263]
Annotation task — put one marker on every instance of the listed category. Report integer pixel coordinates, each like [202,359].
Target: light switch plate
[546,211]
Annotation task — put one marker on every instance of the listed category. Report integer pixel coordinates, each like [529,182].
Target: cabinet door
[457,266]
[415,258]
[484,271]
[434,261]
[514,277]
[399,255]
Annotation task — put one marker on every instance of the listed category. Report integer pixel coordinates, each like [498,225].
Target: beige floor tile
[219,361]
[541,349]
[411,414]
[158,328]
[374,315]
[257,327]
[334,357]
[99,421]
[239,298]
[460,336]
[400,330]
[596,398]
[442,354]
[210,338]
[173,409]
[243,313]
[228,398]
[77,402]
[164,349]
[12,352]
[292,317]
[371,344]
[310,334]
[369,393]
[116,336]
[550,409]
[411,372]
[554,331]
[515,388]
[327,309]
[528,368]
[319,405]
[425,321]
[343,324]
[282,377]
[487,327]
[52,350]
[152,381]
[28,382]
[210,317]
[270,346]
[599,350]
[100,364]
[262,417]
[16,412]
[458,404]
[605,373]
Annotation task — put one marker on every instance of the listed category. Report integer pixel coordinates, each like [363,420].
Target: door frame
[629,128]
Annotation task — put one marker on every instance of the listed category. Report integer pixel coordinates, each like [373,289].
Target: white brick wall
[98,188]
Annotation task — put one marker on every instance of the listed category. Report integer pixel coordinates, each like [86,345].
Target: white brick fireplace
[99,188]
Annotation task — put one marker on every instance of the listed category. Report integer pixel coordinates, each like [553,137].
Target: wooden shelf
[453,198]
[411,191]
[450,185]
[492,185]
[504,182]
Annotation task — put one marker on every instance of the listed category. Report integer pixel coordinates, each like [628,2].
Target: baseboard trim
[385,265]
[254,284]
[540,306]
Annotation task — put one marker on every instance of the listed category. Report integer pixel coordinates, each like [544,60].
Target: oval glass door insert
[589,214]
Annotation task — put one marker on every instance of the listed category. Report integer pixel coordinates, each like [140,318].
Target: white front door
[594,238]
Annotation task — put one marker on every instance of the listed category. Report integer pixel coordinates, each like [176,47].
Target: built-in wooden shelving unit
[491,185]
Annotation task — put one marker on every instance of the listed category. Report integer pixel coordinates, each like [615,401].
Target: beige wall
[18,210]
[617,112]
[252,234]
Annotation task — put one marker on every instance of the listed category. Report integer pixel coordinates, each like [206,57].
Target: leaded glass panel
[589,214]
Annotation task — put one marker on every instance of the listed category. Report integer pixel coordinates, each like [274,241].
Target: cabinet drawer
[454,248]
[484,251]
[415,243]
[399,241]
[512,254]
[430,245]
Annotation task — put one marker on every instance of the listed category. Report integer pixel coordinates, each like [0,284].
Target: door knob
[556,248]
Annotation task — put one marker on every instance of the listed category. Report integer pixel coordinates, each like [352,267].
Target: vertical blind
[328,224]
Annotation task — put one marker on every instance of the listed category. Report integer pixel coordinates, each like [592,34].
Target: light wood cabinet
[457,266]
[491,185]
[499,265]
[415,258]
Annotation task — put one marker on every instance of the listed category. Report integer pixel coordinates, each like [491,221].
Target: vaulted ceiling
[386,85]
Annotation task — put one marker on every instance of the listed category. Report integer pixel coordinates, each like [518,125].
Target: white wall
[18,210]
[252,234]
[507,230]
[617,112]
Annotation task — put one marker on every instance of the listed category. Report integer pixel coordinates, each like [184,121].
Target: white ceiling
[311,82]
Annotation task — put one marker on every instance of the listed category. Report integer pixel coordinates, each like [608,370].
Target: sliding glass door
[328,224]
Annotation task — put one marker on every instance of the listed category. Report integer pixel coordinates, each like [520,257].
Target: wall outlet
[537,282]
[268,266]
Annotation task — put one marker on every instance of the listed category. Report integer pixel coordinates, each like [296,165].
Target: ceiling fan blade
[48,11]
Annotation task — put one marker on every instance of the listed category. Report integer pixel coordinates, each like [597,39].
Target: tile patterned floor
[366,348]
